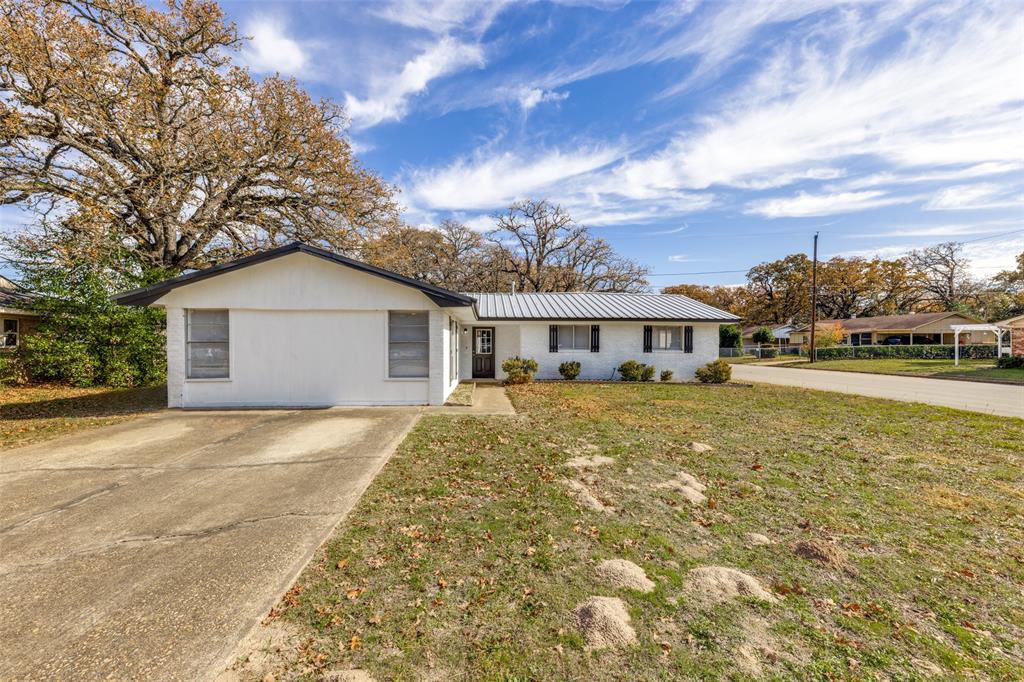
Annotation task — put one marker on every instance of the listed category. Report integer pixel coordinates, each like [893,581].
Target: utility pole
[814,297]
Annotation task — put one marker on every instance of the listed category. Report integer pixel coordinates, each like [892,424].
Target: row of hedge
[521,370]
[921,352]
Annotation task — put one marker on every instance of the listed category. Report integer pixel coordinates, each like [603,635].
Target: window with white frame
[206,339]
[574,337]
[408,345]
[668,338]
[10,335]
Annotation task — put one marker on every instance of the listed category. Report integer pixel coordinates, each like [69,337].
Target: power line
[730,272]
[981,239]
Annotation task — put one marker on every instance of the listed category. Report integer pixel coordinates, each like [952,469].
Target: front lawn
[968,369]
[33,413]
[896,533]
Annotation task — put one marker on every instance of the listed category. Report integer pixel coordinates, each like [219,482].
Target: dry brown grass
[29,414]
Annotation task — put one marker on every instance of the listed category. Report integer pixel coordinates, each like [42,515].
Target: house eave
[145,296]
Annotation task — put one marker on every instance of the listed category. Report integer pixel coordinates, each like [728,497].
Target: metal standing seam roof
[595,306]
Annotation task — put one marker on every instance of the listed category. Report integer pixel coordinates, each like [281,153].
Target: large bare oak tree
[123,124]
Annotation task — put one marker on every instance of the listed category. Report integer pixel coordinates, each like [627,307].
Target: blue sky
[694,136]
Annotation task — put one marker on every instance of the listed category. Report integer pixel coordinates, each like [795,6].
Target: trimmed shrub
[768,352]
[631,370]
[569,370]
[922,352]
[717,372]
[666,375]
[1010,362]
[519,370]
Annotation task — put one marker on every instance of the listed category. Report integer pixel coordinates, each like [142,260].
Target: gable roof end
[147,295]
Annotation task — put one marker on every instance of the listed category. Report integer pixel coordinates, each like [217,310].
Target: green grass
[466,556]
[970,369]
[751,359]
[29,414]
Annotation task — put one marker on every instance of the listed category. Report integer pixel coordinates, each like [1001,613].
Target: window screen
[408,345]
[667,338]
[574,337]
[207,341]
[9,339]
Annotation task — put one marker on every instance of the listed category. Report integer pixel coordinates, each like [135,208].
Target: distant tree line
[930,279]
[534,245]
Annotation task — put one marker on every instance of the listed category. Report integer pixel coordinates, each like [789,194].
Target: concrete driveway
[1005,400]
[148,549]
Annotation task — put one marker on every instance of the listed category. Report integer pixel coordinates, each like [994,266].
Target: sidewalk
[488,398]
[998,399]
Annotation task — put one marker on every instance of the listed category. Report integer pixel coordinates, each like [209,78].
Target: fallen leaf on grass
[354,593]
[342,564]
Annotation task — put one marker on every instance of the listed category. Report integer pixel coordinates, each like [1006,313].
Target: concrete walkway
[489,398]
[147,550]
[999,399]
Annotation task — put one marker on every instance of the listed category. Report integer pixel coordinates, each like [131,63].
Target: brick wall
[1017,341]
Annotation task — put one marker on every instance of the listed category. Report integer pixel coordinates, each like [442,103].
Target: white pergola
[957,328]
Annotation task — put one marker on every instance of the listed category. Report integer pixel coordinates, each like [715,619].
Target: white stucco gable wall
[304,331]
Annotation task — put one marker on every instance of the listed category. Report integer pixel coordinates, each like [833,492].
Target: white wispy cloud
[440,16]
[528,98]
[272,49]
[491,180]
[389,94]
[811,106]
[805,204]
[928,175]
[986,257]
[946,230]
[976,196]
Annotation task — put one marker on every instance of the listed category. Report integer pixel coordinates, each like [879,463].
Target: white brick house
[300,326]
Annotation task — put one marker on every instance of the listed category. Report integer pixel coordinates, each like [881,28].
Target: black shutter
[687,339]
[648,338]
[595,338]
[553,338]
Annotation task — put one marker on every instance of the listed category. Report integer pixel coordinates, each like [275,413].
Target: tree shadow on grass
[112,403]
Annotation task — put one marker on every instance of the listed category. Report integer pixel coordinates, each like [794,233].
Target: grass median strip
[980,370]
[837,536]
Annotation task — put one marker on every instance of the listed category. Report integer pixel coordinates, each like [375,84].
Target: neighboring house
[17,319]
[781,333]
[301,326]
[1016,327]
[912,328]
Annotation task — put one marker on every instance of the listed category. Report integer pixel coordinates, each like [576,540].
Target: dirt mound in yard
[585,497]
[824,554]
[604,623]
[688,486]
[700,447]
[624,573]
[589,462]
[756,539]
[690,481]
[714,584]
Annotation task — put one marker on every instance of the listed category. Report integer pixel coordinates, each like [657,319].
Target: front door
[483,352]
